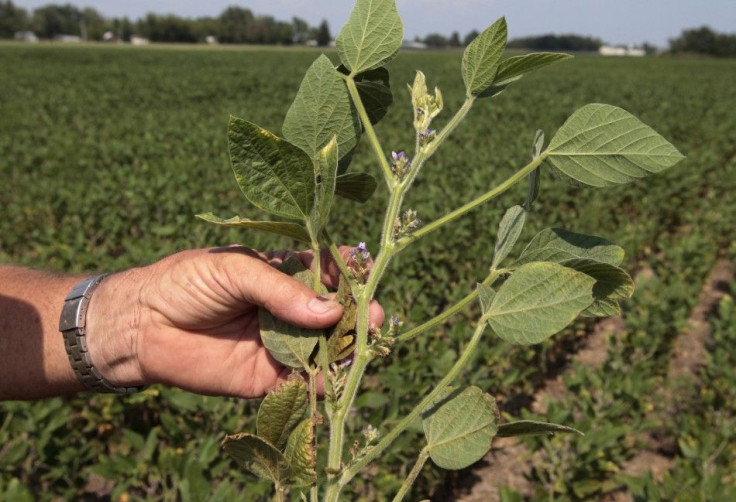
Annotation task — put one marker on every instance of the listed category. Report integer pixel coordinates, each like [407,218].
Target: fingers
[254,281]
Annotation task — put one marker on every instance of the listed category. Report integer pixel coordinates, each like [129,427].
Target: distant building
[413,45]
[109,36]
[68,39]
[211,40]
[136,40]
[618,50]
[26,36]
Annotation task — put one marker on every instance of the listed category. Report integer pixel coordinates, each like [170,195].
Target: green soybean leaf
[513,68]
[482,56]
[537,301]
[290,345]
[374,89]
[301,456]
[612,283]
[358,187]
[371,37]
[509,231]
[322,109]
[602,307]
[326,174]
[534,176]
[460,426]
[485,295]
[558,245]
[532,428]
[280,412]
[287,229]
[273,174]
[537,145]
[257,455]
[602,145]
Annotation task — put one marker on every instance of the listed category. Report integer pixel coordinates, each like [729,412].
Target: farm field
[106,154]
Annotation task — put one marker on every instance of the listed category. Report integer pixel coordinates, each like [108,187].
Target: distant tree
[323,35]
[569,42]
[649,49]
[123,28]
[53,20]
[94,24]
[234,23]
[704,40]
[301,30]
[12,19]
[455,39]
[167,28]
[436,40]
[470,37]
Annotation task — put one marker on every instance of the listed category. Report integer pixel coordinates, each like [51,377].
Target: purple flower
[397,156]
[395,321]
[361,250]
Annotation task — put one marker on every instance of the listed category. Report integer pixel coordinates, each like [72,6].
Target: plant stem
[421,459]
[459,306]
[366,121]
[389,438]
[491,194]
[337,257]
[422,154]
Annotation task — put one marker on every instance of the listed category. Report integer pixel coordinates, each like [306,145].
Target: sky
[613,21]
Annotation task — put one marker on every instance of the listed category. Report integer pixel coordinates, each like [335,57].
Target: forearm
[33,361]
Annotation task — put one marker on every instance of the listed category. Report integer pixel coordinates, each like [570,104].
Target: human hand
[191,319]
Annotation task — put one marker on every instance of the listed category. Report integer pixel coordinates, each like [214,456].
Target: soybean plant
[296,177]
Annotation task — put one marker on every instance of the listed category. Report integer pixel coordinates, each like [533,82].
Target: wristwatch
[72,325]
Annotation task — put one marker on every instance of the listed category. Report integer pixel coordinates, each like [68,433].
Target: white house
[26,36]
[136,40]
[611,50]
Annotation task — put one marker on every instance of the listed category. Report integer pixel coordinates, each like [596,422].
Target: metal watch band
[72,324]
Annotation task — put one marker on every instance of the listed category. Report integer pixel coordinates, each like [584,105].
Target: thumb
[285,297]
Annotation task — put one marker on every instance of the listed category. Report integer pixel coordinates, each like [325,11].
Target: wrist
[113,325]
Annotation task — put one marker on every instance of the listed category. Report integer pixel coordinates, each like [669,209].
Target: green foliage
[144,177]
[532,428]
[257,456]
[286,229]
[321,110]
[281,411]
[537,301]
[290,345]
[482,57]
[459,426]
[273,174]
[602,145]
[371,37]
[558,245]
[509,231]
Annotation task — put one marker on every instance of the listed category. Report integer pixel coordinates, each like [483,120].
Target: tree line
[234,25]
[239,25]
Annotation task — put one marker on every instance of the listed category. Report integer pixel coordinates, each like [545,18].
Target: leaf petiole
[490,195]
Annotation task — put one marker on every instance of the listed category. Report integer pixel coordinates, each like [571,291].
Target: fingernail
[320,305]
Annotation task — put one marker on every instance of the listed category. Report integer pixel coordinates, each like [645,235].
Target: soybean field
[107,153]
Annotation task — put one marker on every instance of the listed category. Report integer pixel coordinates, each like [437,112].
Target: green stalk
[491,194]
[421,459]
[459,306]
[370,132]
[364,295]
[422,155]
[389,438]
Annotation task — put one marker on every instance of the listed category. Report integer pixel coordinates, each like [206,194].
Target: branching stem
[490,195]
[412,476]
